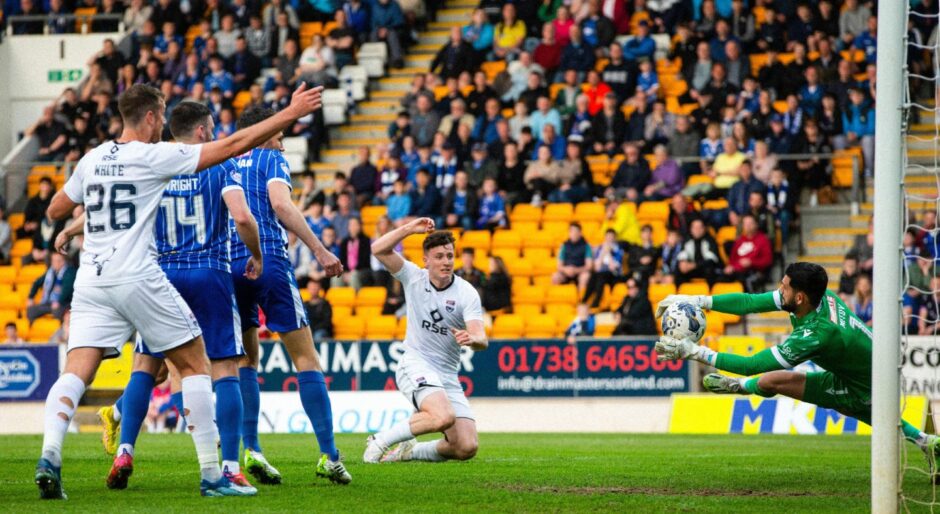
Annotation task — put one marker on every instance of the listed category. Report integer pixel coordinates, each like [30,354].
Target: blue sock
[134,405]
[228,415]
[119,404]
[251,401]
[316,404]
[177,400]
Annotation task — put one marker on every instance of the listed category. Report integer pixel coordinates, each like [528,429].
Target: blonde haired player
[444,315]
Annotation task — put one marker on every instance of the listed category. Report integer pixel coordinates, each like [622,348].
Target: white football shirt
[433,312]
[121,185]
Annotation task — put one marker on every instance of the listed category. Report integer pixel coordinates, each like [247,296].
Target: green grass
[512,472]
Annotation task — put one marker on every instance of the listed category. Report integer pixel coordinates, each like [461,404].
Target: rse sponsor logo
[432,326]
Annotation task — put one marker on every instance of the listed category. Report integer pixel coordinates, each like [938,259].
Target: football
[684,321]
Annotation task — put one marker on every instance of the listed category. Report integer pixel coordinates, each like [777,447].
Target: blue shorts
[275,292]
[211,296]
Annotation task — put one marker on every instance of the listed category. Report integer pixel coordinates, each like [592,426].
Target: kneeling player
[825,331]
[444,314]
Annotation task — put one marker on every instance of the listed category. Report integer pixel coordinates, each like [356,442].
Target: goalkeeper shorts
[824,389]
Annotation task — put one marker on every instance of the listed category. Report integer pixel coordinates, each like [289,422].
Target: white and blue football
[684,320]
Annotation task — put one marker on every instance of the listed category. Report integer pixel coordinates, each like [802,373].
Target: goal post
[888,184]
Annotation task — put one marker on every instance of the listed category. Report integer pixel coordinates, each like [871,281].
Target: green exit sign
[65,75]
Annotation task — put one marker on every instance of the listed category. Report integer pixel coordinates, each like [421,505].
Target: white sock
[70,388]
[197,405]
[231,466]
[126,448]
[116,413]
[427,451]
[399,432]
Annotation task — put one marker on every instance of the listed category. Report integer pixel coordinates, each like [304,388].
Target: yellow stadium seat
[16,220]
[506,254]
[7,274]
[479,240]
[42,330]
[656,292]
[305,295]
[525,212]
[30,273]
[412,242]
[349,328]
[741,345]
[507,239]
[371,213]
[589,211]
[381,327]
[557,229]
[492,68]
[525,227]
[402,327]
[694,288]
[715,205]
[21,247]
[652,211]
[341,296]
[604,330]
[540,239]
[695,180]
[526,310]
[46,170]
[519,267]
[617,294]
[544,267]
[528,294]
[8,315]
[22,327]
[369,311]
[371,297]
[726,234]
[341,312]
[414,254]
[561,212]
[537,253]
[714,324]
[542,280]
[563,312]
[567,293]
[542,326]
[725,288]
[508,326]
[780,106]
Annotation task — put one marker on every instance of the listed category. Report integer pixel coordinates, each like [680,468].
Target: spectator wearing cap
[632,176]
[608,127]
[387,21]
[778,141]
[480,166]
[454,58]
[578,55]
[425,197]
[485,129]
[364,177]
[641,46]
[219,78]
[460,207]
[858,126]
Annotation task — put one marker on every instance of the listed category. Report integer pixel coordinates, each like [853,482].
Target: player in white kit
[444,315]
[121,288]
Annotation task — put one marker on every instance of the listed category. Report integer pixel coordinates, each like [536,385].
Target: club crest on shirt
[450,305]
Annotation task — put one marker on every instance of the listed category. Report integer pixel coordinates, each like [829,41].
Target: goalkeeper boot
[258,467]
[224,487]
[121,470]
[401,452]
[721,384]
[333,470]
[932,452]
[374,451]
[49,480]
[111,435]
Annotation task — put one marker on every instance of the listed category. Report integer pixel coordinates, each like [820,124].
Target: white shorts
[106,316]
[417,380]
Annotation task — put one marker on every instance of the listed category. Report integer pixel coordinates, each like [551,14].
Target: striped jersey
[192,229]
[258,168]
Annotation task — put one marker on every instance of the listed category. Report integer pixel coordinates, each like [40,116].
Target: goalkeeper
[825,331]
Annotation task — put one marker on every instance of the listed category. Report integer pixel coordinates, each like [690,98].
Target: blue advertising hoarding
[536,367]
[27,372]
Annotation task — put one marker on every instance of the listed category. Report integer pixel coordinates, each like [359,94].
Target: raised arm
[293,220]
[731,303]
[303,102]
[384,247]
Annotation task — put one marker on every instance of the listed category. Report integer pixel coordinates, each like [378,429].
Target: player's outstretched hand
[462,337]
[421,226]
[330,263]
[696,300]
[670,349]
[254,268]
[304,101]
[62,243]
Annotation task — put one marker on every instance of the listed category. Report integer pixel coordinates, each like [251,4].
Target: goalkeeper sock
[316,402]
[228,417]
[750,385]
[251,401]
[913,434]
[427,452]
[136,401]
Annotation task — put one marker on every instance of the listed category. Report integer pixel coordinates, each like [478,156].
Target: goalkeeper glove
[669,348]
[700,301]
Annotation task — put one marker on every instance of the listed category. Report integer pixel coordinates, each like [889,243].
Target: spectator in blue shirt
[425,198]
[162,42]
[640,46]
[858,125]
[315,218]
[583,324]
[399,202]
[647,81]
[551,140]
[357,16]
[868,40]
[58,22]
[578,55]
[220,78]
[485,127]
[479,33]
[387,20]
[492,207]
[544,115]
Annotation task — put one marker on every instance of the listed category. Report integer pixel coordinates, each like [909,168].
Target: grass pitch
[512,472]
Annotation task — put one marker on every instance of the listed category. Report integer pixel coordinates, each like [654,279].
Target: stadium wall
[6,138]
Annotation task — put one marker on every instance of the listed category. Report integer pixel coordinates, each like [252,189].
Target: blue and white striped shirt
[259,168]
[192,230]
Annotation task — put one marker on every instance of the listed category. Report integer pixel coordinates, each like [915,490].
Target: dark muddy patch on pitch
[664,491]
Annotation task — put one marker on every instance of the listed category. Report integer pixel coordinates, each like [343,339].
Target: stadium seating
[508,326]
[381,327]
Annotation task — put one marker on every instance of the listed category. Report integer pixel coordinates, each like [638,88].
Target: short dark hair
[137,101]
[575,224]
[438,238]
[469,250]
[186,117]
[45,180]
[253,115]
[810,279]
[10,324]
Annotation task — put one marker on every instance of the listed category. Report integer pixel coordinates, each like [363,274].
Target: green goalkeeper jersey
[832,337]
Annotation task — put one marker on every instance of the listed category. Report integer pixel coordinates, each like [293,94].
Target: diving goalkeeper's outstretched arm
[731,303]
